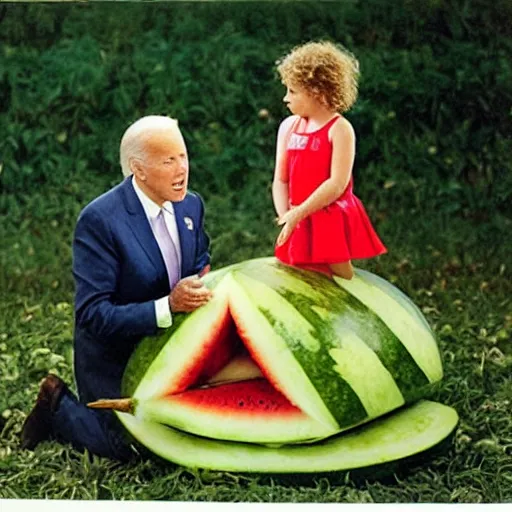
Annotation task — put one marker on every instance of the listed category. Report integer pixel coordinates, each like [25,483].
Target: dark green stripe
[336,393]
[397,294]
[409,377]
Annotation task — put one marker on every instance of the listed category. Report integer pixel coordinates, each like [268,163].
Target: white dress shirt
[151,209]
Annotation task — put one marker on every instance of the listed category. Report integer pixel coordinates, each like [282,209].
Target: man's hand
[189,294]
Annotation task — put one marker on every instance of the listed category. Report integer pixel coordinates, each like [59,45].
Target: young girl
[325,225]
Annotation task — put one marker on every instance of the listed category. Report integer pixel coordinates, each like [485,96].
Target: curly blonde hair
[327,71]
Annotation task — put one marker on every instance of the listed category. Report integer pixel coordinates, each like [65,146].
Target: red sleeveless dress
[337,233]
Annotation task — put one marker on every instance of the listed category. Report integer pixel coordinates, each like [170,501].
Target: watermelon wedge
[236,411]
[285,356]
[407,432]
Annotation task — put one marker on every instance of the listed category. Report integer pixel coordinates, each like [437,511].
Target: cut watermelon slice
[283,356]
[406,432]
[230,324]
[249,410]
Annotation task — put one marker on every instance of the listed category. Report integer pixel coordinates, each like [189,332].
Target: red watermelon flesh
[218,349]
[226,341]
[253,397]
[253,409]
[195,398]
[225,345]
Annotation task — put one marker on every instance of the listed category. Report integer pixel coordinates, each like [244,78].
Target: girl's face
[299,101]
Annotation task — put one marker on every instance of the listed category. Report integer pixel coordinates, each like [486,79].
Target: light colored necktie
[167,248]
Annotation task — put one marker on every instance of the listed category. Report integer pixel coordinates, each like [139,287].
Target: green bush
[432,118]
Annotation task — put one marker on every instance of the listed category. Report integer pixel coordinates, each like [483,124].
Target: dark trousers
[97,431]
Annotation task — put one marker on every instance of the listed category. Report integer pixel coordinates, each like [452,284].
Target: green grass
[456,270]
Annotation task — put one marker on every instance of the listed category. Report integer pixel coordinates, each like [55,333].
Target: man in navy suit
[138,253]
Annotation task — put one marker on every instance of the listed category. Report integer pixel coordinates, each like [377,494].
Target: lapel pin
[189,223]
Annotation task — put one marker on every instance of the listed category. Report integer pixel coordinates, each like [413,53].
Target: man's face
[163,172]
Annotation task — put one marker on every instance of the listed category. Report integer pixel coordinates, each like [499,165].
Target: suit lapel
[139,225]
[185,235]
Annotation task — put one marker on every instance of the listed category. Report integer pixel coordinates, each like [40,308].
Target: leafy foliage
[432,120]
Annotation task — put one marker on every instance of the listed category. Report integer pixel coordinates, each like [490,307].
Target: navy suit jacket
[119,272]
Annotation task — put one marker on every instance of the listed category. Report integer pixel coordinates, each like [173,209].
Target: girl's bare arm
[280,183]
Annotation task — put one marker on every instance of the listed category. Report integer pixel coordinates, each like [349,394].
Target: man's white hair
[135,137]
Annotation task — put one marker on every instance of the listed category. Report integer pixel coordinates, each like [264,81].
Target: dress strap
[332,121]
[296,124]
[292,128]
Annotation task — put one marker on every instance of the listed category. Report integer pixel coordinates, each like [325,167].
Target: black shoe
[38,425]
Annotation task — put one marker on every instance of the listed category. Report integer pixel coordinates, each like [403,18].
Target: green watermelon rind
[397,294]
[149,347]
[147,350]
[397,312]
[232,426]
[312,299]
[287,287]
[407,432]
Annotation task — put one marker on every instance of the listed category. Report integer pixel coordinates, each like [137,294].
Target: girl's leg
[323,268]
[344,270]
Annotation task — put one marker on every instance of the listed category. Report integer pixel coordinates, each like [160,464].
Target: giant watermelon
[282,361]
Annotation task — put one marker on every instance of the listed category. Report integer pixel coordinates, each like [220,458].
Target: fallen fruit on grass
[289,357]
